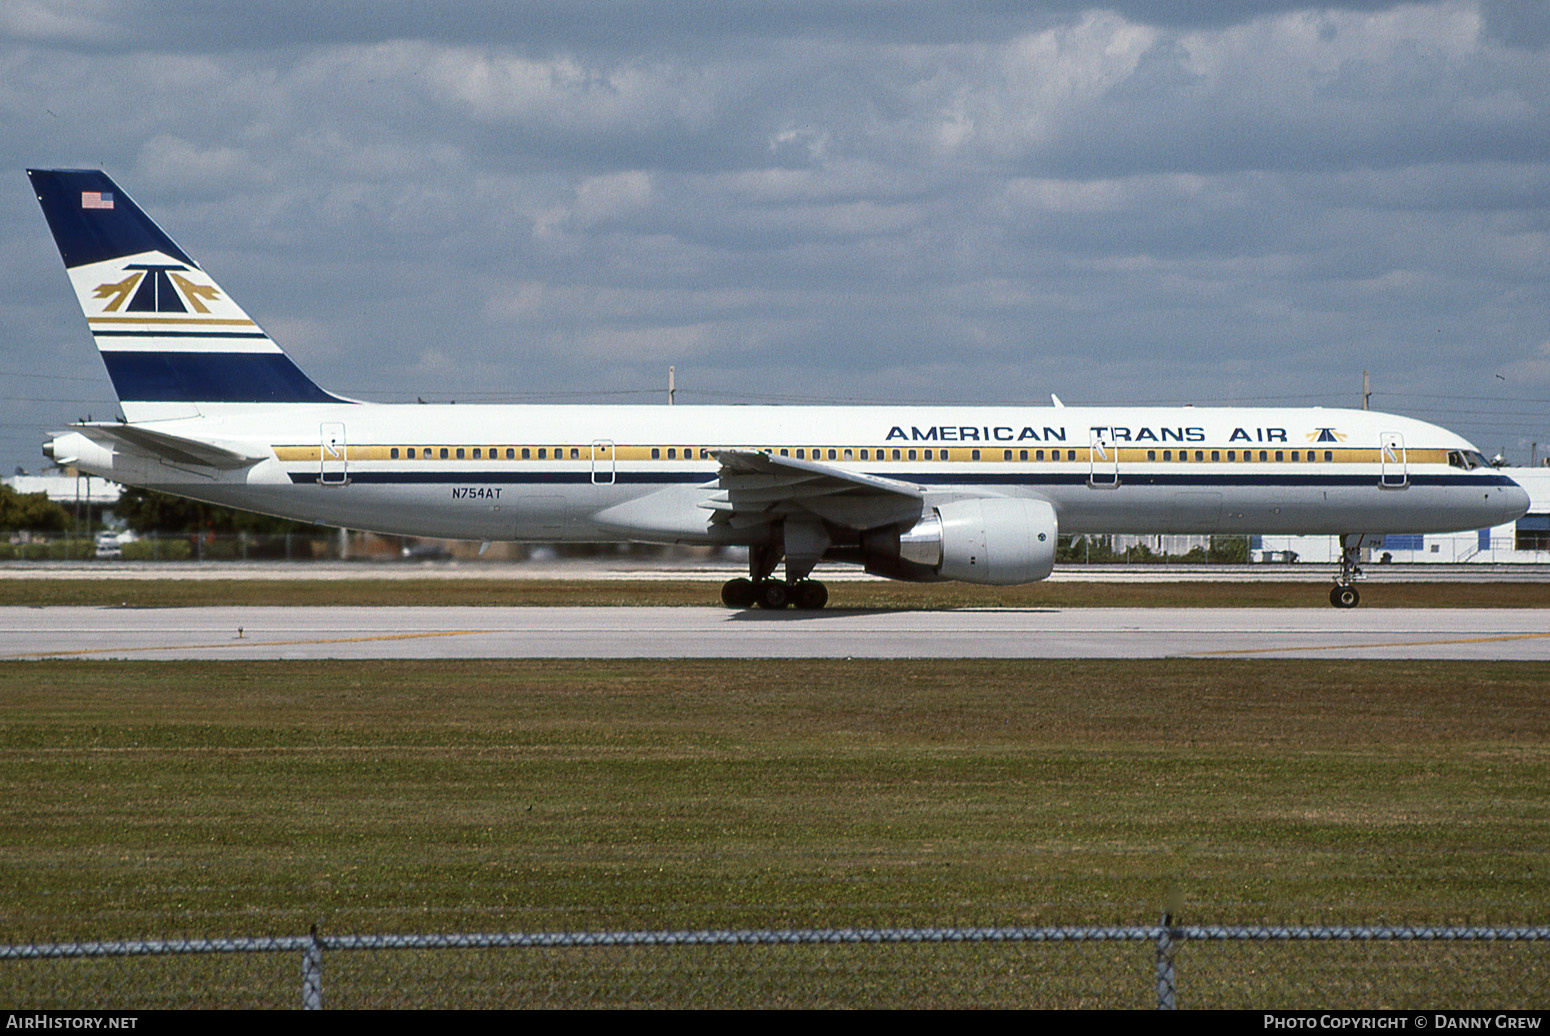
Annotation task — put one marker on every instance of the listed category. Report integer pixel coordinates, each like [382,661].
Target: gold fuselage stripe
[1127,456]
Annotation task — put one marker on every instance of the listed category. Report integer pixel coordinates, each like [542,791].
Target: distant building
[66,490]
[1525,541]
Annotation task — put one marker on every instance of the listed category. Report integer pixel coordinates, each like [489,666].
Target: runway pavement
[354,633]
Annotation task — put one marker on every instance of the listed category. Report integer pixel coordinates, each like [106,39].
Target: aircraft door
[602,462]
[1393,471]
[1102,461]
[333,459]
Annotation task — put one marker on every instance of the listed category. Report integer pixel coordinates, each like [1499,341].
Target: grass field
[136,593]
[184,799]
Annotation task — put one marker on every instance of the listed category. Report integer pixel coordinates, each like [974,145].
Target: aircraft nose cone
[1515,502]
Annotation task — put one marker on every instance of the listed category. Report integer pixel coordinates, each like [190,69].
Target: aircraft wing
[176,449]
[758,488]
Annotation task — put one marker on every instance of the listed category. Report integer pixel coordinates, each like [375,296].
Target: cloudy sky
[1164,202]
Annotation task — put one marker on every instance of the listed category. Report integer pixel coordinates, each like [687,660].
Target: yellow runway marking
[249,642]
[1364,647]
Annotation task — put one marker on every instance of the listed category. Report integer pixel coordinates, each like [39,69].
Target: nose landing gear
[1344,595]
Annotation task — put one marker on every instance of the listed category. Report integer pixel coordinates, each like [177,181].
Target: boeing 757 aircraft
[213,410]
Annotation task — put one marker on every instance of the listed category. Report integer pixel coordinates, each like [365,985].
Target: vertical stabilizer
[170,336]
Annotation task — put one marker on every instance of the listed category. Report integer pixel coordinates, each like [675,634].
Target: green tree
[1231,550]
[146,511]
[32,511]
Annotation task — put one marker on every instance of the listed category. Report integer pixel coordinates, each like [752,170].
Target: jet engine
[993,540]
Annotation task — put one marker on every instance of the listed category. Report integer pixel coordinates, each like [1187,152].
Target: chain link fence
[1164,966]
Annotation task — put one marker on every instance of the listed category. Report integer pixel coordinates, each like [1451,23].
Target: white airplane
[213,410]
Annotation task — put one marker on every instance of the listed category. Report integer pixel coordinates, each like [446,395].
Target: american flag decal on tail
[96,199]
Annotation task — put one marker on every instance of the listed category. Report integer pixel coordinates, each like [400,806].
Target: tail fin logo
[156,288]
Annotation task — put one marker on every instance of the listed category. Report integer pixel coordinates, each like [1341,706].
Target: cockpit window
[1467,459]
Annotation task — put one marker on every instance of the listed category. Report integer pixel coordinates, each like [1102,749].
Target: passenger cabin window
[543,453]
[476,454]
[443,453]
[895,454]
[1023,454]
[1007,455]
[393,453]
[1216,455]
[848,455]
[1263,456]
[511,453]
[1329,454]
[1232,454]
[1151,454]
[974,455]
[527,453]
[459,453]
[1040,454]
[1279,456]
[912,455]
[833,455]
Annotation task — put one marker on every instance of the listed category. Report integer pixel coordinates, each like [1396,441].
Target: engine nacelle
[993,540]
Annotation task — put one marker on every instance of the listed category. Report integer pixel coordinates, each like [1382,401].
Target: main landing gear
[766,591]
[1343,594]
[806,594]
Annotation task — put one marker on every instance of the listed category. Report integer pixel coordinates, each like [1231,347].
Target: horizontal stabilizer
[176,449]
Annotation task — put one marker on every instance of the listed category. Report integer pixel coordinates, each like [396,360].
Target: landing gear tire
[772,594]
[738,593]
[1344,597]
[809,594]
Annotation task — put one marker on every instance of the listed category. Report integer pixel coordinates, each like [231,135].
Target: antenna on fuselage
[670,388]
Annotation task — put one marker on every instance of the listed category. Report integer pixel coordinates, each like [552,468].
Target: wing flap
[760,488]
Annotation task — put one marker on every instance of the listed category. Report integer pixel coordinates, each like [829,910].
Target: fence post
[312,974]
[1166,948]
